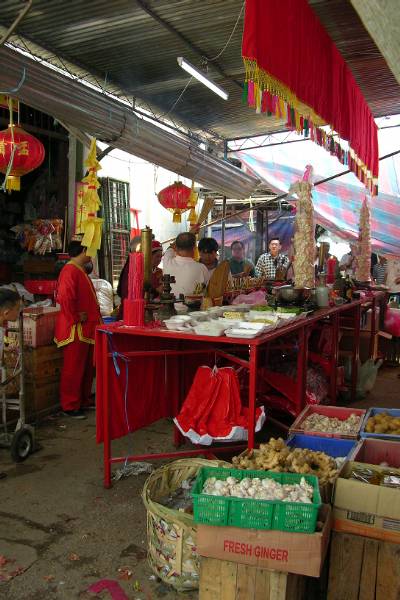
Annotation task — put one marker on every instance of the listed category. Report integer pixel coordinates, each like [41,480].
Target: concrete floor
[66,532]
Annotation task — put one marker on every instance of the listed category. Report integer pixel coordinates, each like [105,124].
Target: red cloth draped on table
[154,387]
[213,409]
[294,71]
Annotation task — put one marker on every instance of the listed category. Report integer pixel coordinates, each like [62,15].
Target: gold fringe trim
[264,81]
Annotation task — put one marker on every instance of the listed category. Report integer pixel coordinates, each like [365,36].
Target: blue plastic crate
[332,446]
[109,320]
[393,412]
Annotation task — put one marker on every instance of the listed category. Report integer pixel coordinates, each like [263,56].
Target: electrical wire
[230,37]
[177,100]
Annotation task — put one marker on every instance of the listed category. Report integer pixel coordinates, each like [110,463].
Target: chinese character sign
[20,153]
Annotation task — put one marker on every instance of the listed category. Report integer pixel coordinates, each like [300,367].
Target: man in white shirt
[178,261]
[393,277]
[348,261]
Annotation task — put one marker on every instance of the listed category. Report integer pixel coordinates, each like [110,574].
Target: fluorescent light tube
[189,68]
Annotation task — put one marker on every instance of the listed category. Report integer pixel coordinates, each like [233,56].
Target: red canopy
[294,70]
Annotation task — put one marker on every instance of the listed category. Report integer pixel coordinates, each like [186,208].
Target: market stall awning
[337,203]
[295,71]
[114,122]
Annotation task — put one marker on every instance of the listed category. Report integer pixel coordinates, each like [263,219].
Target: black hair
[8,298]
[208,245]
[236,242]
[185,241]
[88,267]
[75,248]
[273,239]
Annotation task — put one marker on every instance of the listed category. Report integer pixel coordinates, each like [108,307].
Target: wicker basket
[171,533]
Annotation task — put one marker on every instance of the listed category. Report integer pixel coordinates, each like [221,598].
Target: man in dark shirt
[240,267]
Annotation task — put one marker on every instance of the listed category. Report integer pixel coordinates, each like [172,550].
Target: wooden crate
[223,580]
[39,266]
[41,398]
[363,569]
[44,362]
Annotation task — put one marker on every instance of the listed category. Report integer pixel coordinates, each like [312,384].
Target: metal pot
[291,295]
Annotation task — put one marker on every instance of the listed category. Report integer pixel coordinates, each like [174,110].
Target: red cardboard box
[301,553]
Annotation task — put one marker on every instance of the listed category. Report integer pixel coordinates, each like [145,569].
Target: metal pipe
[109,120]
[14,25]
[269,145]
[223,228]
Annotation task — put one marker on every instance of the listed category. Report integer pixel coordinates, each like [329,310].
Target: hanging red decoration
[20,153]
[295,72]
[175,198]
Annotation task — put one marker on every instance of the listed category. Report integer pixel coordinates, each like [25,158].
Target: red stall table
[143,374]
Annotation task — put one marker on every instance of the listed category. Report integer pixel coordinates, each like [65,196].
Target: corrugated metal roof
[120,43]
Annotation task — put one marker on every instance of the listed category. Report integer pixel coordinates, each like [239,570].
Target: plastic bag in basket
[213,410]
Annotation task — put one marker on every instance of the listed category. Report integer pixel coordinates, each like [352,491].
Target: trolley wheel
[21,445]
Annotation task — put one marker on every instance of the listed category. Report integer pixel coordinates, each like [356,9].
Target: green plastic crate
[248,513]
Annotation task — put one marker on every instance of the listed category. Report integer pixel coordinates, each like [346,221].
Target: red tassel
[250,93]
[264,101]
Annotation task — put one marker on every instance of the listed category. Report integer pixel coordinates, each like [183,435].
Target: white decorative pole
[304,238]
[363,261]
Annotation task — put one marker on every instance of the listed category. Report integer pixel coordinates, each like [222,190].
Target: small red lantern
[28,155]
[175,198]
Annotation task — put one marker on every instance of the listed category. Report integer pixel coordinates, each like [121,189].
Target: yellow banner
[81,210]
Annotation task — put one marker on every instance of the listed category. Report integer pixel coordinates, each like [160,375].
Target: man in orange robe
[75,332]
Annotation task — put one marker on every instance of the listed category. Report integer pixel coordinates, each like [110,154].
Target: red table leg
[302,365]
[356,352]
[106,411]
[253,360]
[334,358]
[373,329]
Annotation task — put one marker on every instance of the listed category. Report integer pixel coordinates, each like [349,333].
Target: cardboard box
[365,509]
[301,553]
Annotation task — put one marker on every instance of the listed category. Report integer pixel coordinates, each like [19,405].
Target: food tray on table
[392,412]
[337,412]
[255,514]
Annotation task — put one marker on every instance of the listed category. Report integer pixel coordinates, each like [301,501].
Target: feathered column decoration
[304,238]
[363,261]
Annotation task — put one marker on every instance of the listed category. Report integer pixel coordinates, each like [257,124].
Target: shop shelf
[255,514]
[338,412]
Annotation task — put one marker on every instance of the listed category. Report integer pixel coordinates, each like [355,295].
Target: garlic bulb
[363,262]
[304,239]
[260,489]
[316,422]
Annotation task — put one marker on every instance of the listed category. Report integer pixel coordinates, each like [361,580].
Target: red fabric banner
[294,70]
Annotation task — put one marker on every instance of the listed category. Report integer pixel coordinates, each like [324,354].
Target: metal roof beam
[193,47]
[268,145]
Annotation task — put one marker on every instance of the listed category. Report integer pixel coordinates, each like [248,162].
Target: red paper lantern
[175,198]
[29,154]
